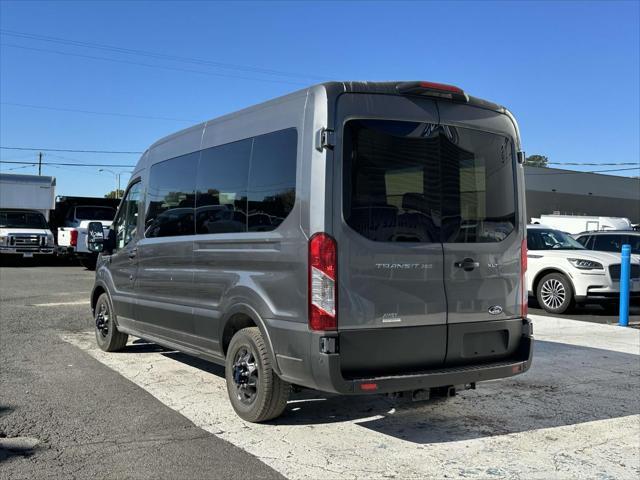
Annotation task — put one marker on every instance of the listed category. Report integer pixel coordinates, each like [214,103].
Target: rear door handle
[132,253]
[467,264]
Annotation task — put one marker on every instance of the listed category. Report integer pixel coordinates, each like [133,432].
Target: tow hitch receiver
[424,394]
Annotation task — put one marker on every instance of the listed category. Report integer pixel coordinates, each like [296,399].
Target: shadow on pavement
[13,261]
[566,385]
[198,363]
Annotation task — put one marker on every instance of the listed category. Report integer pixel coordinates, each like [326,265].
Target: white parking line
[59,304]
[573,415]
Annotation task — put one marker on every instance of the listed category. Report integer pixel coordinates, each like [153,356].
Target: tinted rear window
[420,182]
[95,213]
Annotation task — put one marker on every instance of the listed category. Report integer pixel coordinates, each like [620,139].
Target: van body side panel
[265,270]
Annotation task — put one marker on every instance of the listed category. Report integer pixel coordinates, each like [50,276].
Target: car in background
[70,219]
[562,272]
[610,241]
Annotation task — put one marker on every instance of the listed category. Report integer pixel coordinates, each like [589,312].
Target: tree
[114,194]
[536,161]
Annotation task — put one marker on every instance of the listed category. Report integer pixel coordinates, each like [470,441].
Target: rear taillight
[524,301]
[322,282]
[74,237]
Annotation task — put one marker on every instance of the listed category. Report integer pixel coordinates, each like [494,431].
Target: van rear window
[421,182]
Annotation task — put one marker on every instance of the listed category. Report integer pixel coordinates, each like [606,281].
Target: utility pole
[40,163]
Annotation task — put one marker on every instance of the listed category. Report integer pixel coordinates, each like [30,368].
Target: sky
[117,76]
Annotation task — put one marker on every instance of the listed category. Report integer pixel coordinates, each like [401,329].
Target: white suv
[562,272]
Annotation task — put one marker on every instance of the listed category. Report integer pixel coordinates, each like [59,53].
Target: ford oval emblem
[495,310]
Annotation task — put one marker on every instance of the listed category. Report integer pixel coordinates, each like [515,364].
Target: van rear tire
[256,392]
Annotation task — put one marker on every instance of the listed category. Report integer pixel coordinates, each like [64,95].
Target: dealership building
[567,192]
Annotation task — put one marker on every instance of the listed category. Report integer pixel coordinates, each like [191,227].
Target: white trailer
[25,204]
[583,223]
[28,192]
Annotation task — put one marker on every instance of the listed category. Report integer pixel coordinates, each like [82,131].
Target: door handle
[132,253]
[467,264]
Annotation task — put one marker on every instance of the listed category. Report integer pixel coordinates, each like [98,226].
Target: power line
[18,168]
[70,164]
[575,172]
[128,62]
[70,150]
[93,112]
[156,55]
[593,164]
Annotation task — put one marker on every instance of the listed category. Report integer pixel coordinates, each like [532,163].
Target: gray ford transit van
[355,238]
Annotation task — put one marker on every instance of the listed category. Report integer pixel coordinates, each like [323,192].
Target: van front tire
[256,392]
[108,337]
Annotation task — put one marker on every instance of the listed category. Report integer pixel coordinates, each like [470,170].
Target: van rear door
[482,232]
[390,258]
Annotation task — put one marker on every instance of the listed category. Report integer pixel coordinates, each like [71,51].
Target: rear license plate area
[485,344]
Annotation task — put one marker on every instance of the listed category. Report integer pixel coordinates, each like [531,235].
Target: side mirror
[95,237]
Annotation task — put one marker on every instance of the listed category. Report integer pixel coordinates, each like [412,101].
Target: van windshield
[543,239]
[9,219]
[422,182]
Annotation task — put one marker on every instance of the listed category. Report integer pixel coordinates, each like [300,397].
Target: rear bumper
[328,370]
[429,379]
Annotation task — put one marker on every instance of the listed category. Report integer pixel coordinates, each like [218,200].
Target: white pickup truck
[72,228]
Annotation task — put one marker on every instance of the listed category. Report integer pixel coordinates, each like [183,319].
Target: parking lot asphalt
[148,412]
[65,415]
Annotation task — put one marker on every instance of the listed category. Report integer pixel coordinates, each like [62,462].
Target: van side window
[125,225]
[221,193]
[272,179]
[171,197]
[248,185]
